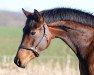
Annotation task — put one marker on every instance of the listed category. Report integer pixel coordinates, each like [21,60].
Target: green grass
[9,40]
[10,32]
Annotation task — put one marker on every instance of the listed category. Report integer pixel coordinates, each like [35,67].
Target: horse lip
[24,64]
[17,62]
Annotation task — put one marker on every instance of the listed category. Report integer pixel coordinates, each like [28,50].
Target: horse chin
[24,65]
[25,62]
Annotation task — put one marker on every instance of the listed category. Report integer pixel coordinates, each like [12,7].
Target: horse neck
[59,29]
[70,33]
[74,34]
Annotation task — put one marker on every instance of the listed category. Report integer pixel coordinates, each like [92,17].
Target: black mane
[59,14]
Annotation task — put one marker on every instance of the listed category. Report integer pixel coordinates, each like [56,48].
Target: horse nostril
[17,61]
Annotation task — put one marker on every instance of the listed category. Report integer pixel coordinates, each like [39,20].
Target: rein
[33,49]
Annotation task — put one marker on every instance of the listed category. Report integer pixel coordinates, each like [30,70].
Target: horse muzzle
[24,55]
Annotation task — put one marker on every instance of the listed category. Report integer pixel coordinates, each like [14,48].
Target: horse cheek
[43,44]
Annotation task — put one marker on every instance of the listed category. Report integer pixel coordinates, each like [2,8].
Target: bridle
[33,49]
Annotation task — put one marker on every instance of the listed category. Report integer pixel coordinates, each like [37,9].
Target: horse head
[36,38]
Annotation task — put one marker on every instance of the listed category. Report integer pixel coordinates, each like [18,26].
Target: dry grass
[38,69]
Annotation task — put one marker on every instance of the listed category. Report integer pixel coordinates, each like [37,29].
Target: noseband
[33,49]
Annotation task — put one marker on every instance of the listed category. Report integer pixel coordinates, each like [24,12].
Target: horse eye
[32,33]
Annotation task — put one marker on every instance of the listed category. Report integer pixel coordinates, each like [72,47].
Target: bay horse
[74,27]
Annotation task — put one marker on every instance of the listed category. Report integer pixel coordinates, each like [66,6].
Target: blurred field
[40,68]
[52,61]
[9,40]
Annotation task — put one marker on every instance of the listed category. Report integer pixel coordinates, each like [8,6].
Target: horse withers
[74,27]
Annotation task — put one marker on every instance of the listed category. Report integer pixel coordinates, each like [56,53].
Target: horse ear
[38,16]
[27,13]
